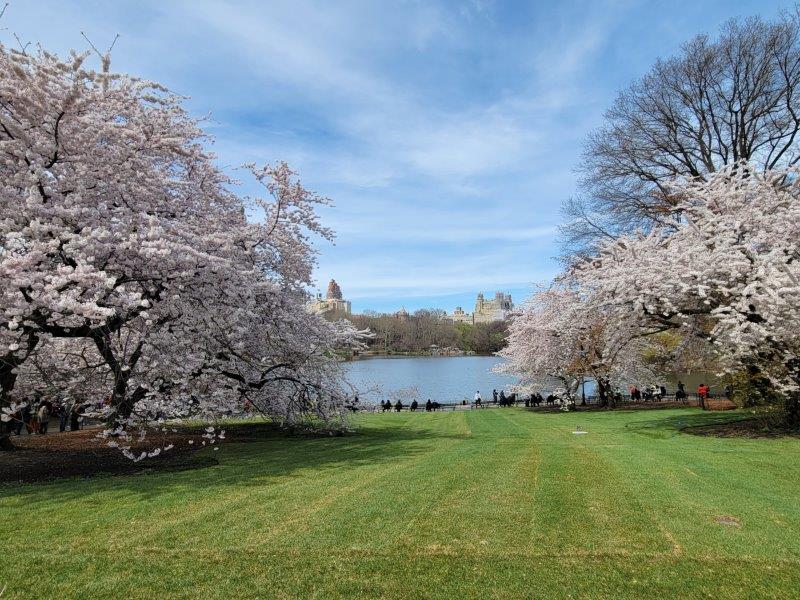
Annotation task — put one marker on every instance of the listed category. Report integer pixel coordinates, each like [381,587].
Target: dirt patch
[745,428]
[81,454]
[625,406]
[655,405]
[729,521]
[630,406]
[720,405]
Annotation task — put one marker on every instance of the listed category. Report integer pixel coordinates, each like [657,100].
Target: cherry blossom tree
[725,270]
[564,334]
[110,201]
[118,231]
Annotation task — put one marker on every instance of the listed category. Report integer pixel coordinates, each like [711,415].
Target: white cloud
[444,135]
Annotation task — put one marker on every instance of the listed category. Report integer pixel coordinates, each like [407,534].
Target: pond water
[445,379]
[451,379]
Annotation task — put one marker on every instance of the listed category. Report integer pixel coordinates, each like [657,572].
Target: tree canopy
[128,265]
[718,102]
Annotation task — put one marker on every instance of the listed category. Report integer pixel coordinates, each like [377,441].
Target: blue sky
[446,133]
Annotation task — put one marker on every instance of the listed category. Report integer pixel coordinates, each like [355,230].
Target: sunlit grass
[495,503]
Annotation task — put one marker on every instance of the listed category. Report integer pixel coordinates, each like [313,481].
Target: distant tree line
[417,332]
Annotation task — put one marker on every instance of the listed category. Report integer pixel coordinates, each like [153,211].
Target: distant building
[486,311]
[459,316]
[332,303]
[402,314]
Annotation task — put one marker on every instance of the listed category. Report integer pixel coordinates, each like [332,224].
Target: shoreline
[373,354]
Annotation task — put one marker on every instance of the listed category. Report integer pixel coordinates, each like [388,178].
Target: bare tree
[718,102]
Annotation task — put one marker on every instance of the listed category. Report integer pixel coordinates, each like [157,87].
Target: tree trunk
[604,397]
[121,400]
[8,378]
[9,364]
[127,400]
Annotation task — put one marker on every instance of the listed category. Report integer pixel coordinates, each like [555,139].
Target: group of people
[35,415]
[398,406]
[502,400]
[499,398]
[650,393]
[530,400]
[659,392]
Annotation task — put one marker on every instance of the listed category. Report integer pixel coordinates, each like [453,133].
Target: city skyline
[446,302]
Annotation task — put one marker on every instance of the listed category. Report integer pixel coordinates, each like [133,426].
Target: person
[702,394]
[494,396]
[528,402]
[414,406]
[399,406]
[28,417]
[680,394]
[352,405]
[18,420]
[75,416]
[44,417]
[663,389]
[478,398]
[60,410]
[428,405]
[502,397]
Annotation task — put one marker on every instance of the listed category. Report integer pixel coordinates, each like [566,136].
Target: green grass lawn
[494,503]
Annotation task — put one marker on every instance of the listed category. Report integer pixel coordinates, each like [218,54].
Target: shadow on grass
[266,457]
[678,424]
